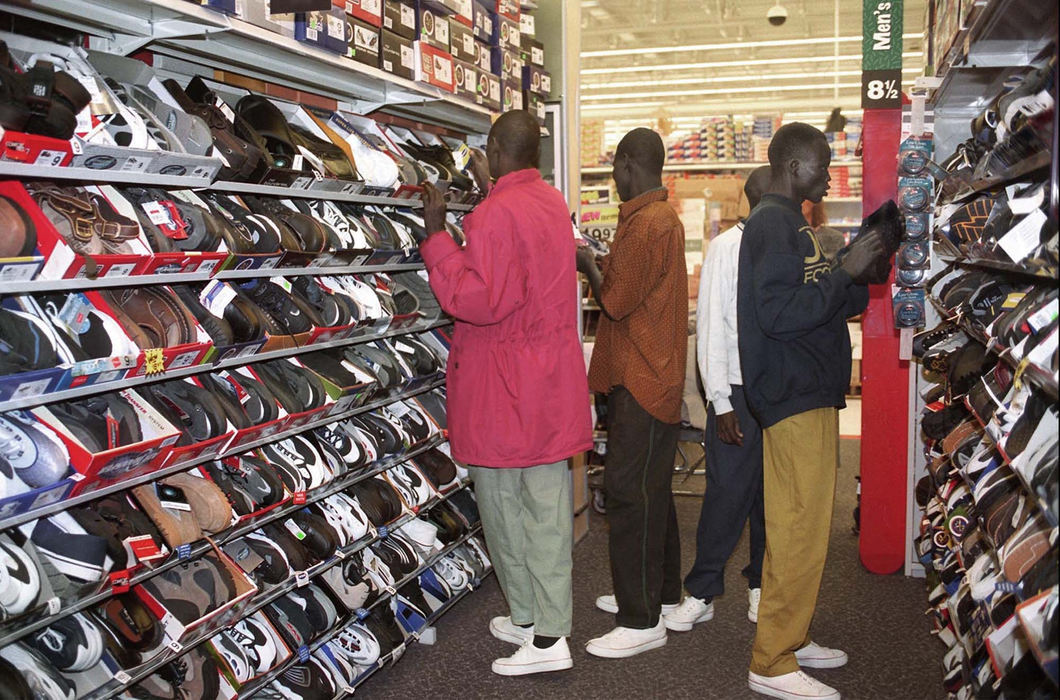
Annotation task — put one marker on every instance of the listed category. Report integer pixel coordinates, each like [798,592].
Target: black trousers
[644,543]
[733,496]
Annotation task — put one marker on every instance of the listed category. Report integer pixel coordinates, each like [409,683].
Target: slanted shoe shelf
[182,34]
[999,39]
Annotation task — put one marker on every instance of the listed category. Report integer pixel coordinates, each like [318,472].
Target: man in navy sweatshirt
[792,311]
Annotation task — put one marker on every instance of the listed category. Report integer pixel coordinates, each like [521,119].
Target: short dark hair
[792,141]
[645,148]
[518,136]
[757,183]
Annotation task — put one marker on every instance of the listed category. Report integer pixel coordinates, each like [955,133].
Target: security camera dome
[777,15]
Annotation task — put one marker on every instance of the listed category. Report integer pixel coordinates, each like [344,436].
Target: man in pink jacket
[518,395]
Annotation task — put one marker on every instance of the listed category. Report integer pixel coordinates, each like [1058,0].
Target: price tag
[299,498]
[119,581]
[54,605]
[30,389]
[154,361]
[185,359]
[143,547]
[184,550]
[384,531]
[301,579]
[49,158]
[176,646]
[303,654]
[14,271]
[361,613]
[122,677]
[293,528]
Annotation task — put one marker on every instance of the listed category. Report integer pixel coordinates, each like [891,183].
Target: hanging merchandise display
[985,463]
[224,466]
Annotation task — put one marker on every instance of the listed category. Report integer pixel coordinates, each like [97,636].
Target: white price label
[301,579]
[185,359]
[293,528]
[123,270]
[157,213]
[336,27]
[207,266]
[176,646]
[13,271]
[310,34]
[30,389]
[135,164]
[54,605]
[52,158]
[469,44]
[270,263]
[122,677]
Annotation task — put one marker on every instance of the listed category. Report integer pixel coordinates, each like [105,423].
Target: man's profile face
[621,175]
[493,154]
[810,177]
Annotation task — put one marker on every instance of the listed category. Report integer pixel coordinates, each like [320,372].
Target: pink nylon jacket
[518,394]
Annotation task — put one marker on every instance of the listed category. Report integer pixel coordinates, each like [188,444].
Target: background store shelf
[708,166]
[187,32]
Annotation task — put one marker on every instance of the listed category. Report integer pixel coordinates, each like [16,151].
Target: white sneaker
[608,604]
[530,659]
[791,686]
[815,656]
[689,612]
[622,642]
[754,597]
[505,630]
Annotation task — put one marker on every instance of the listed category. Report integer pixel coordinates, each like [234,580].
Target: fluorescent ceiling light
[730,79]
[732,64]
[628,105]
[733,45]
[722,91]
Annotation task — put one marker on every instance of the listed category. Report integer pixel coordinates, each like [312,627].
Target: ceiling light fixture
[732,64]
[735,45]
[723,91]
[730,79]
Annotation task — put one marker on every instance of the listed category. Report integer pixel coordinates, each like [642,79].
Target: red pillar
[884,379]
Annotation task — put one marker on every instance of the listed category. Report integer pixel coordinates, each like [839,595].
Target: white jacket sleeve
[711,336]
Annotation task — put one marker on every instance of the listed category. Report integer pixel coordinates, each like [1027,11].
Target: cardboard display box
[399,17]
[462,41]
[397,55]
[434,66]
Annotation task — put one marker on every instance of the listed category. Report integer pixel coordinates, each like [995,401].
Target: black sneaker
[318,608]
[332,309]
[256,642]
[309,681]
[274,567]
[190,408]
[291,315]
[297,387]
[70,644]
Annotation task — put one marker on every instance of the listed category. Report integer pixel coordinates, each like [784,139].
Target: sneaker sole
[687,626]
[625,653]
[787,695]
[537,667]
[823,663]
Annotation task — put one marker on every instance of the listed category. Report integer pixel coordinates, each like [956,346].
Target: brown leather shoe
[153,316]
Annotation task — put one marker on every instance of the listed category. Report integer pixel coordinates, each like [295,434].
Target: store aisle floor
[878,620]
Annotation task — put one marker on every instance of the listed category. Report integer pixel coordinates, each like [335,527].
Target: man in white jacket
[733,437]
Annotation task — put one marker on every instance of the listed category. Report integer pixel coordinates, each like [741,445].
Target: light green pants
[527,519]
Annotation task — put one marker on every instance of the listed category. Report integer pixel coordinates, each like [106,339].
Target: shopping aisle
[878,620]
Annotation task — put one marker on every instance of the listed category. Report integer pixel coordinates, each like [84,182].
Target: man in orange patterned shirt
[639,362]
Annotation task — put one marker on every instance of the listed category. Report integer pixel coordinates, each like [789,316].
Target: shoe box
[177,630]
[536,80]
[364,42]
[434,66]
[99,469]
[325,29]
[508,65]
[506,34]
[258,13]
[432,23]
[397,55]
[399,17]
[461,41]
[368,11]
[484,18]
[534,105]
[99,156]
[465,80]
[34,149]
[511,95]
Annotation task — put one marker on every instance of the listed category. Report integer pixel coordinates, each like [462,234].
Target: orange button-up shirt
[642,339]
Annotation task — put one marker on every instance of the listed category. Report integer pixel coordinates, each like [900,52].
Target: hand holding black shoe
[861,261]
[433,209]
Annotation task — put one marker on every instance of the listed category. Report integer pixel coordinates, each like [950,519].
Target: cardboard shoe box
[507,65]
[463,11]
[363,42]
[465,80]
[399,17]
[506,34]
[370,11]
[434,66]
[489,90]
[483,21]
[508,8]
[534,105]
[397,55]
[511,96]
[461,41]
[527,27]
[483,57]
[432,26]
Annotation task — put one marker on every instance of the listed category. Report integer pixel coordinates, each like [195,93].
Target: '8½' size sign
[881,54]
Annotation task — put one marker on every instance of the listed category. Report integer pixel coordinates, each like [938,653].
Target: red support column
[884,379]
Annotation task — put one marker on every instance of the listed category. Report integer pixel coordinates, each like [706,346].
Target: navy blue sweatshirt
[791,315]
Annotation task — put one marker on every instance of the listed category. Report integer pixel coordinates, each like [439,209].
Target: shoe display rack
[986,405]
[224,471]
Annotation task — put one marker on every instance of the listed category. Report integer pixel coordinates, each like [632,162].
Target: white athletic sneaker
[529,659]
[622,642]
[754,597]
[608,604]
[689,612]
[791,686]
[505,630]
[815,656]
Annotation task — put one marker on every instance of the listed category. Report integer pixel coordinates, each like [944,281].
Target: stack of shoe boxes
[592,142]
[364,18]
[397,54]
[434,63]
[506,46]
[464,51]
